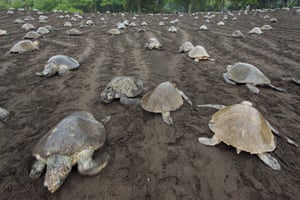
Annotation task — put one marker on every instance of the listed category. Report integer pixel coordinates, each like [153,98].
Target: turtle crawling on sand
[237,34]
[186,47]
[3,32]
[244,73]
[114,31]
[153,43]
[123,88]
[72,141]
[244,127]
[32,35]
[24,45]
[164,98]
[73,32]
[198,53]
[60,64]
[3,113]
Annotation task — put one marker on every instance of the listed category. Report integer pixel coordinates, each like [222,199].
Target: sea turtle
[221,23]
[28,18]
[164,98]
[68,24]
[114,31]
[3,32]
[89,22]
[24,45]
[42,30]
[266,27]
[73,32]
[186,47]
[237,34]
[3,113]
[161,23]
[255,30]
[295,77]
[27,26]
[124,88]
[244,127]
[274,20]
[198,53]
[19,21]
[144,23]
[153,43]
[72,141]
[172,29]
[203,27]
[244,73]
[60,64]
[120,25]
[32,35]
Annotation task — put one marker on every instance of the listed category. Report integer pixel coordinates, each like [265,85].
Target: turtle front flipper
[226,79]
[129,101]
[277,88]
[209,141]
[274,130]
[39,74]
[87,166]
[269,160]
[252,88]
[37,169]
[184,96]
[63,70]
[216,106]
[167,118]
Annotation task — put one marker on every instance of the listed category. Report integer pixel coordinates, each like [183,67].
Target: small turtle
[295,77]
[203,27]
[234,19]
[28,18]
[172,29]
[255,30]
[89,22]
[244,127]
[161,23]
[153,43]
[3,32]
[32,35]
[123,88]
[237,34]
[60,64]
[274,20]
[266,27]
[19,21]
[24,45]
[27,27]
[221,23]
[114,31]
[43,21]
[132,24]
[244,73]
[144,23]
[186,47]
[121,26]
[72,141]
[3,113]
[198,53]
[68,24]
[73,32]
[43,17]
[164,98]
[42,30]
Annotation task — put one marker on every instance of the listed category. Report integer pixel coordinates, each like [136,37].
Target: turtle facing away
[24,45]
[244,73]
[198,53]
[124,88]
[244,127]
[164,98]
[60,64]
[72,141]
[153,43]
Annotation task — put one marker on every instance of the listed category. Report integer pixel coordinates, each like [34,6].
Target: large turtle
[198,53]
[295,77]
[72,141]
[186,47]
[3,113]
[123,88]
[244,127]
[164,98]
[24,45]
[244,73]
[60,64]
[153,43]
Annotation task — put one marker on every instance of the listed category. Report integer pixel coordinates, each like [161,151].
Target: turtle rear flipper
[167,118]
[269,160]
[252,88]
[209,141]
[277,88]
[226,79]
[37,169]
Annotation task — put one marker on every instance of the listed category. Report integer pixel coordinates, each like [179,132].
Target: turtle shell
[3,113]
[244,128]
[73,32]
[114,31]
[246,73]
[42,30]
[71,135]
[198,52]
[64,60]
[32,35]
[163,98]
[27,26]
[186,46]
[131,86]
[23,46]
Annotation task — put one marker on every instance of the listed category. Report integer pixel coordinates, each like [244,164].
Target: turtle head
[50,69]
[107,95]
[247,103]
[58,169]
